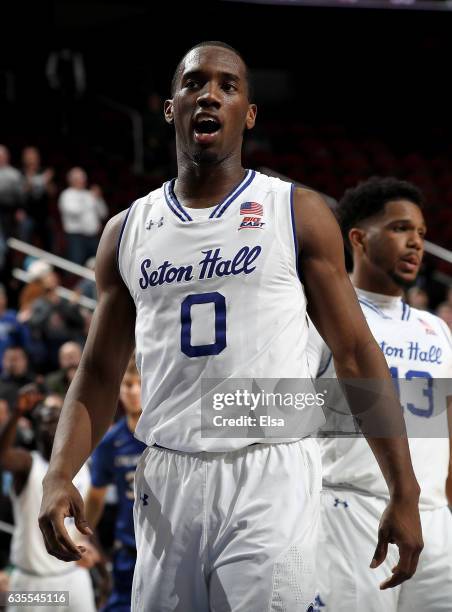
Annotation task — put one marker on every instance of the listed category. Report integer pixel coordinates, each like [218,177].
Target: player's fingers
[400,573]
[405,568]
[51,542]
[80,521]
[381,550]
[397,578]
[409,558]
[65,545]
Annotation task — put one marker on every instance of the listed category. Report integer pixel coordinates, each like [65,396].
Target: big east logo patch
[251,223]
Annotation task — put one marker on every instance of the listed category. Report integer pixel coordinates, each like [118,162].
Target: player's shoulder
[428,320]
[117,221]
[269,182]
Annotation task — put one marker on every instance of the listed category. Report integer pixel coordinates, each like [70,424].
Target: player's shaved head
[210,43]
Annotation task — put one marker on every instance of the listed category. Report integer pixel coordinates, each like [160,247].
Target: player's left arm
[334,309]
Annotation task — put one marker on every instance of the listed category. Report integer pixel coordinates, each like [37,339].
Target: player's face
[130,394]
[210,107]
[395,241]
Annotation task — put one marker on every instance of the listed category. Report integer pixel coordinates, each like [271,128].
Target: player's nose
[415,240]
[209,96]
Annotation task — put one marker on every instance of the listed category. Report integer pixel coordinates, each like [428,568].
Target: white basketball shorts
[347,540]
[227,532]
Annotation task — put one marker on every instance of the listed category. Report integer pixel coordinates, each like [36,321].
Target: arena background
[345,90]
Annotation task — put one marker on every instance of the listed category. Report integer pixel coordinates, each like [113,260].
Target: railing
[58,262]
[55,260]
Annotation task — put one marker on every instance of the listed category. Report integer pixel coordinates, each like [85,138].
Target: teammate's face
[130,394]
[393,243]
[210,107]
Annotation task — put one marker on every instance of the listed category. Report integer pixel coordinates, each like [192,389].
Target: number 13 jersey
[217,295]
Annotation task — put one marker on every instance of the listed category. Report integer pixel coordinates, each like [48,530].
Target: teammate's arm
[334,309]
[94,504]
[91,400]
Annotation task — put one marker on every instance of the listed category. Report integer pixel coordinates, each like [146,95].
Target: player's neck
[200,185]
[381,283]
[132,421]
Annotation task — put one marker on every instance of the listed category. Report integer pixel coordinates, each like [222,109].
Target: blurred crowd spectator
[34,220]
[11,192]
[82,212]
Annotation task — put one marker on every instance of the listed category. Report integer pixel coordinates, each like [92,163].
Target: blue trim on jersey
[173,203]
[123,227]
[232,195]
[406,311]
[292,217]
[364,302]
[325,368]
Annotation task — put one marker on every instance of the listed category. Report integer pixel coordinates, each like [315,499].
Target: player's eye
[191,84]
[228,86]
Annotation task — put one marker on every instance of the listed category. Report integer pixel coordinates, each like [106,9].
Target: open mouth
[410,263]
[206,130]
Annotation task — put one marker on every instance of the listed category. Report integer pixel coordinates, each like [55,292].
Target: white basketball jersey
[217,295]
[418,347]
[28,551]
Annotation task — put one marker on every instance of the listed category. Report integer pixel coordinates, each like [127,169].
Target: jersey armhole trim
[123,227]
[294,231]
[325,367]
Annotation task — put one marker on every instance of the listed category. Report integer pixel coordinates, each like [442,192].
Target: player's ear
[357,239]
[251,116]
[168,111]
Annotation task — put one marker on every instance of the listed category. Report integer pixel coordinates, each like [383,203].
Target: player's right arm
[91,400]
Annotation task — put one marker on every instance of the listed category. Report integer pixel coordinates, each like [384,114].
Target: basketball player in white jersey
[384,228]
[34,569]
[202,273]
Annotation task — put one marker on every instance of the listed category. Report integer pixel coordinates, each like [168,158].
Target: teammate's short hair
[369,198]
[212,43]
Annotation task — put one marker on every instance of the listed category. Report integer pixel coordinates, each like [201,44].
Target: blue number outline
[426,391]
[220,324]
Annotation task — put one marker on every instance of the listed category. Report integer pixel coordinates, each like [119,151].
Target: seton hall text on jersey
[212,264]
[414,352]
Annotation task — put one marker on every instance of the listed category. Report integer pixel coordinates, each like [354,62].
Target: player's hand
[61,499]
[400,524]
[90,557]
